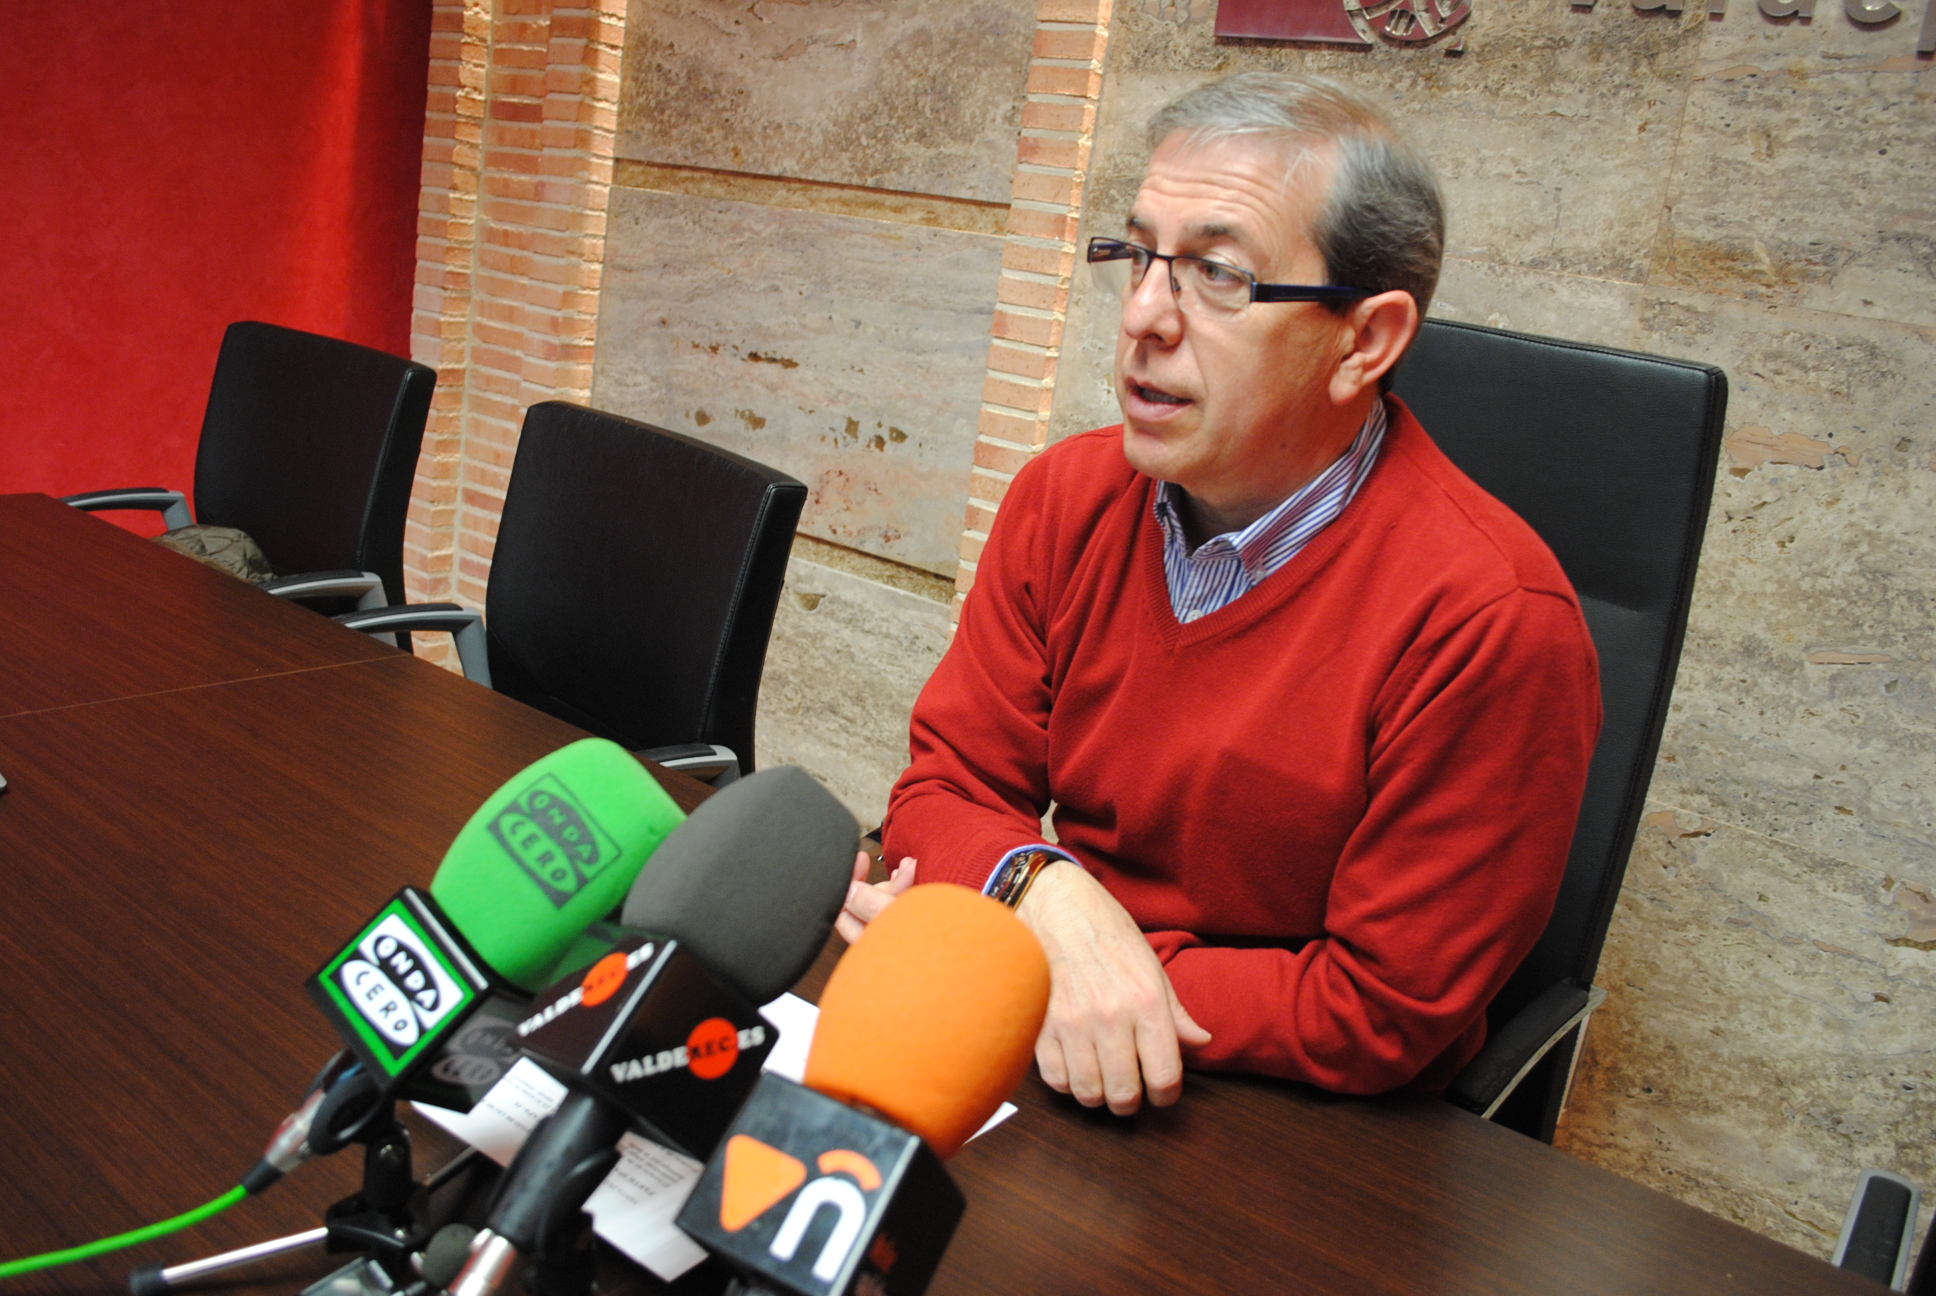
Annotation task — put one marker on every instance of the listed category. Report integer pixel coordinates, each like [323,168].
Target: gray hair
[1382,224]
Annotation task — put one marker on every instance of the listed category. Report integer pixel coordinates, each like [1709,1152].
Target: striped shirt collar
[1228,566]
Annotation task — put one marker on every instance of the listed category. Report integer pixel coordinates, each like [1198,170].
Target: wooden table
[92,613]
[183,856]
[1250,1185]
[210,789]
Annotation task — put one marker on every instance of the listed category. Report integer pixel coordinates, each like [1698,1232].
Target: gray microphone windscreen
[752,881]
[444,1257]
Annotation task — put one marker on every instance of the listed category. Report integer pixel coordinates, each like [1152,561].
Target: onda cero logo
[759,1177]
[395,981]
[552,837]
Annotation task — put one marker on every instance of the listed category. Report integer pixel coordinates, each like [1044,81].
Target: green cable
[89,1250]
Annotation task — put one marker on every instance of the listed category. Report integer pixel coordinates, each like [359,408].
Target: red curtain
[167,169]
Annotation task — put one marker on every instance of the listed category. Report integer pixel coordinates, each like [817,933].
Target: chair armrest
[707,762]
[466,624]
[365,587]
[172,505]
[1513,1050]
[1877,1231]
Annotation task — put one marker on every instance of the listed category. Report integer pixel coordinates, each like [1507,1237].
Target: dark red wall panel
[166,169]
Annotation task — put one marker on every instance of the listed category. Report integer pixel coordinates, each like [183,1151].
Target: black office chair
[633,587]
[1610,456]
[1878,1231]
[309,445]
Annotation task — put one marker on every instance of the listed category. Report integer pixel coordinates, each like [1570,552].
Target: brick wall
[517,172]
[1038,258]
[518,163]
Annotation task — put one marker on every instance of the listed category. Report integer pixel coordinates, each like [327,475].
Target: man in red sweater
[1313,710]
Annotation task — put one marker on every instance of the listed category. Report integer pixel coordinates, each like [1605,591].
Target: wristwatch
[1016,873]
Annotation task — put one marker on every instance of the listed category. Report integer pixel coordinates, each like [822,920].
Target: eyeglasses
[1202,287]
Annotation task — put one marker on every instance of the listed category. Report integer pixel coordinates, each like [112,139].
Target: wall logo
[551,836]
[1341,22]
[395,985]
[1410,23]
[759,1177]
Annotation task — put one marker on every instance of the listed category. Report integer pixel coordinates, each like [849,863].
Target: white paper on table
[795,1019]
[635,1207]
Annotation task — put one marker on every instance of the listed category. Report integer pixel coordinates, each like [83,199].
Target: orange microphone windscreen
[931,1018]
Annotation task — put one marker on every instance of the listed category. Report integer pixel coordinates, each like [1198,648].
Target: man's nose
[1151,308]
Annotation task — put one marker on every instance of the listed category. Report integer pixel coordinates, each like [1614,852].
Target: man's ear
[1378,329]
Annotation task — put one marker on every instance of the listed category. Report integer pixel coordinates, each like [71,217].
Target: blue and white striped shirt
[1225,568]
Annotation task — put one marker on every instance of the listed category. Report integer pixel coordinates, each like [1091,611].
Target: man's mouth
[1156,395]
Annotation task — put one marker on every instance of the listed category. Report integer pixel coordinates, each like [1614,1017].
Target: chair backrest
[310,445]
[635,579]
[1610,456]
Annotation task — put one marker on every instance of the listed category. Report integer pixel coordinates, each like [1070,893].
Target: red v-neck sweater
[1340,806]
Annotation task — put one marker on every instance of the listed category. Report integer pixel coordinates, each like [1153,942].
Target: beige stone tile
[1085,392]
[1807,167]
[1552,134]
[924,97]
[847,352]
[1602,311]
[1763,1040]
[847,660]
[1806,702]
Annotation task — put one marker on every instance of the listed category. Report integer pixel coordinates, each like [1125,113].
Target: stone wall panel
[923,97]
[1766,1031]
[848,352]
[1602,311]
[1806,703]
[1085,391]
[847,660]
[1803,177]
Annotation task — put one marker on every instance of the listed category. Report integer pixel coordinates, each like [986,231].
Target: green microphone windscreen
[552,851]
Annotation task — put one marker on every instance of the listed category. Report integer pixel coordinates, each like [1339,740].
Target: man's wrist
[1016,872]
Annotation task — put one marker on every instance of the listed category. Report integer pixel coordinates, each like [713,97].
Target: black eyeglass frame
[1329,294]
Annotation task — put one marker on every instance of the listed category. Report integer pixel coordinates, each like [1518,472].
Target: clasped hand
[1114,1031]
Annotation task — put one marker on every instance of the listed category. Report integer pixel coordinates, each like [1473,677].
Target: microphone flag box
[811,1197]
[649,1029]
[402,987]
[468,1064]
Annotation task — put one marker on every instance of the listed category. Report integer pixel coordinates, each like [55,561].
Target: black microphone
[662,1033]
[837,1186]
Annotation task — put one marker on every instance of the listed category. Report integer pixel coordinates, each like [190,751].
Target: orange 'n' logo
[758,1177]
[853,1163]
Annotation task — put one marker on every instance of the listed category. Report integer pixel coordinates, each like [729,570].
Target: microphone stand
[567,1259]
[384,1222]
